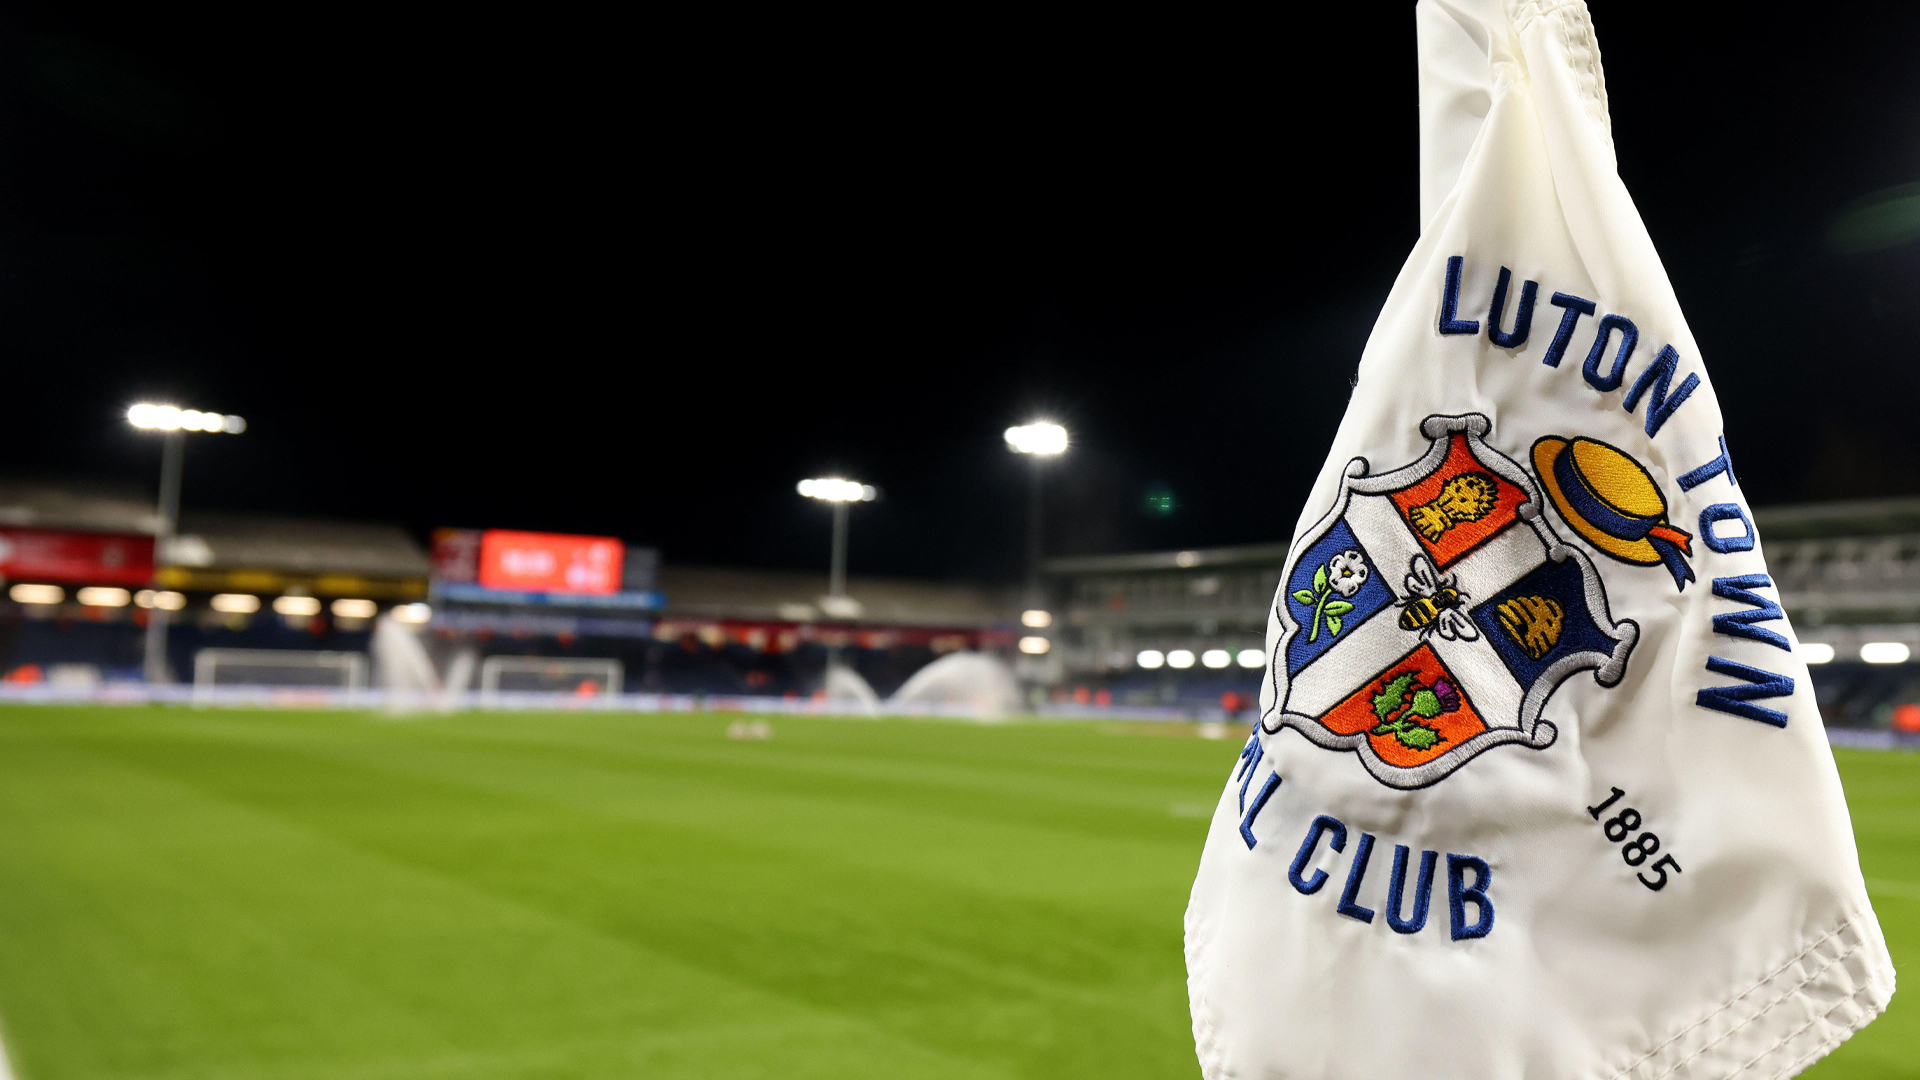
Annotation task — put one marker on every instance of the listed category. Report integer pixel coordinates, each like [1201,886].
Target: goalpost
[320,674]
[503,677]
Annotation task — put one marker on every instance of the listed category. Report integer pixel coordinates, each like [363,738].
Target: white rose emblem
[1346,572]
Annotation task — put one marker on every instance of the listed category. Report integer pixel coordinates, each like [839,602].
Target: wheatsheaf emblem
[1418,672]
[1466,497]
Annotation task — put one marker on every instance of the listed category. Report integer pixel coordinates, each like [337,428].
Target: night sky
[637,277]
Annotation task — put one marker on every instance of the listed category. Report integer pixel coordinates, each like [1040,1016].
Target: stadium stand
[1117,607]
[227,552]
[79,566]
[80,575]
[1849,577]
[87,506]
[1175,629]
[733,631]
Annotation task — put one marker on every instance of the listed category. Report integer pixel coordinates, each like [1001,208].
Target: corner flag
[1539,787]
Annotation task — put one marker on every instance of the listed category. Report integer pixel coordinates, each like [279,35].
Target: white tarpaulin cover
[1539,787]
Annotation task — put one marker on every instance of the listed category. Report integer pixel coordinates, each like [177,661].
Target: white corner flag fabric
[1539,787]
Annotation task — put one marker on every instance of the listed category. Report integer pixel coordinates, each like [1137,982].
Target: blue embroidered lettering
[1575,307]
[1450,323]
[1722,464]
[1726,545]
[1658,376]
[1259,803]
[1355,875]
[1250,756]
[1740,623]
[1469,881]
[1322,824]
[1459,893]
[1422,890]
[1522,319]
[1737,700]
[1629,337]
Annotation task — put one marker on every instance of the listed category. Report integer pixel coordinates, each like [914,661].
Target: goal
[505,677]
[230,673]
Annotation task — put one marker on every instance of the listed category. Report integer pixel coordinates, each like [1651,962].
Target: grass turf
[228,895]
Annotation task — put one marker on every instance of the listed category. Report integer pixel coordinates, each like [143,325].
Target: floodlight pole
[173,450]
[837,576]
[173,423]
[842,494]
[1036,524]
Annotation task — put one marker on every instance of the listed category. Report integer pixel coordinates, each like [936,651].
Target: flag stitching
[1742,996]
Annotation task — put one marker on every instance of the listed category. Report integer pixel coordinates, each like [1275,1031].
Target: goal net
[277,676]
[543,679]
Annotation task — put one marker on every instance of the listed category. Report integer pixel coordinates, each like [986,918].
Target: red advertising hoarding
[75,558]
[550,562]
[456,555]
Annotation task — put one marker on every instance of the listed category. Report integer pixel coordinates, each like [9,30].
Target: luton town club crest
[1431,614]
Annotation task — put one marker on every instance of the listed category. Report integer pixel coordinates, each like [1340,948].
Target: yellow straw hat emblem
[1612,502]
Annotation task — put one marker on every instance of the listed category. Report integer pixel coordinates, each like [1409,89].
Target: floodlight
[104,596]
[1035,646]
[836,490]
[412,614]
[1039,437]
[37,594]
[1251,658]
[1815,653]
[1216,658]
[345,608]
[293,605]
[1036,618]
[1180,658]
[1150,659]
[1884,652]
[235,603]
[150,417]
[165,600]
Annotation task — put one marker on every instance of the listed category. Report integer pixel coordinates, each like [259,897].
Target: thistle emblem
[1404,702]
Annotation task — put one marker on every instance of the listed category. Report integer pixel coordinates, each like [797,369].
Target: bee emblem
[1436,604]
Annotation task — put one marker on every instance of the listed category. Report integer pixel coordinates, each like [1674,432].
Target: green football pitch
[226,894]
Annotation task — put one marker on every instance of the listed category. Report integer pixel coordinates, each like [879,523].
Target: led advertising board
[550,562]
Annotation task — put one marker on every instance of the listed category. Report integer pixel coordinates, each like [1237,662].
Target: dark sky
[545,270]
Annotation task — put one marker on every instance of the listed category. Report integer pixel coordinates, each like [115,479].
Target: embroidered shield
[1433,612]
